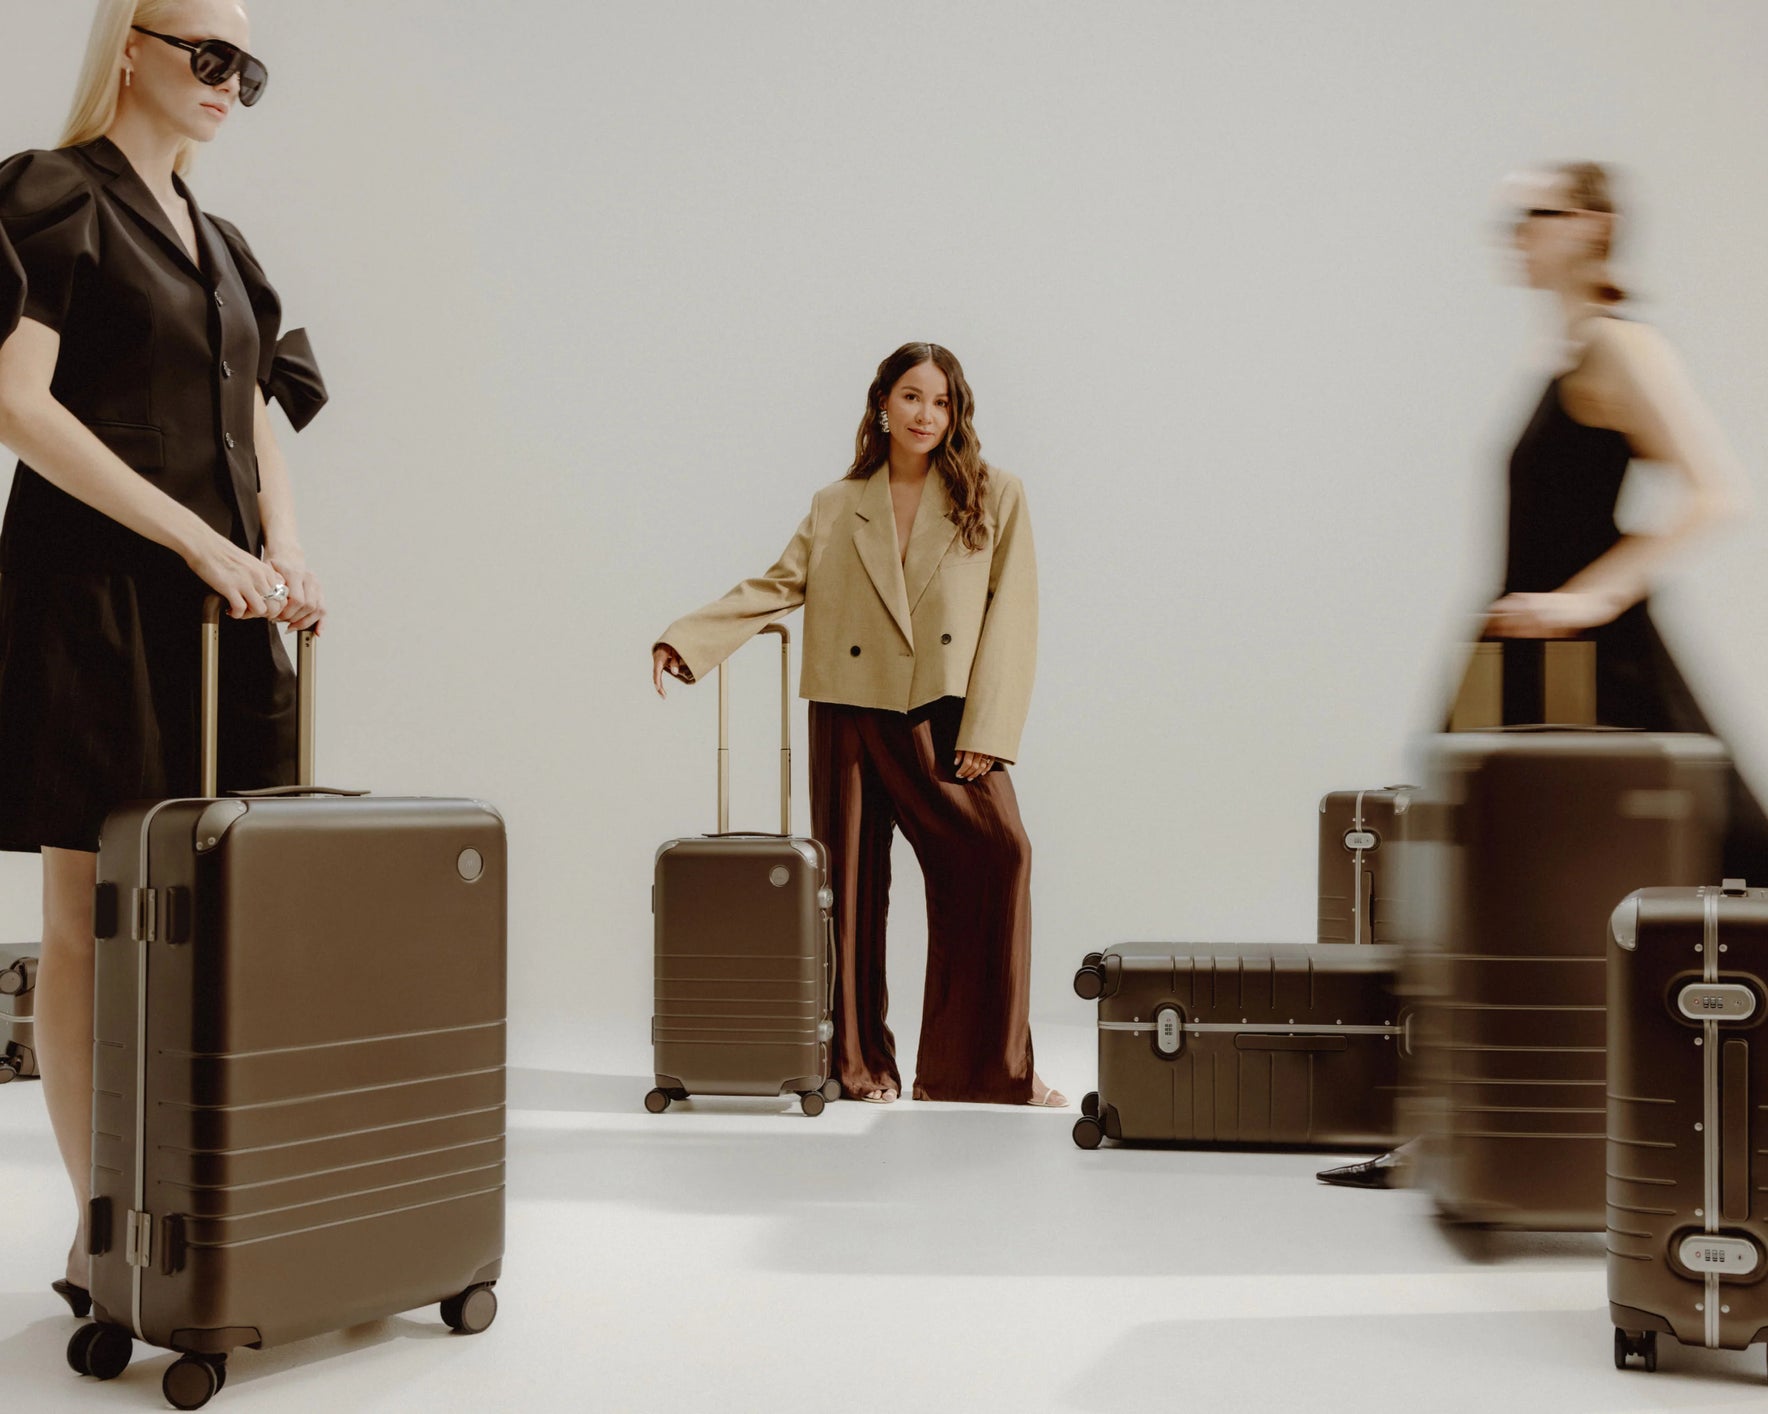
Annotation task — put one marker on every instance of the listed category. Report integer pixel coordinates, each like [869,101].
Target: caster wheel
[831,1090]
[472,1311]
[1623,1348]
[78,1345]
[1089,982]
[1089,1105]
[1088,1132]
[8,1070]
[657,1101]
[190,1382]
[1648,1347]
[218,1363]
[109,1352]
[812,1103]
[677,1094]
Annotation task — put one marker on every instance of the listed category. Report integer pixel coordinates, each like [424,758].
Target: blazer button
[219,302]
[854,650]
[945,638]
[226,369]
[228,438]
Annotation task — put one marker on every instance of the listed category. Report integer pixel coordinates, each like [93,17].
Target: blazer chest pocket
[138,445]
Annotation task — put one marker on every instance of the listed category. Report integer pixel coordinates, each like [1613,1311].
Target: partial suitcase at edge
[18,1038]
[1243,1044]
[745,950]
[1687,1078]
[1356,882]
[299,1109]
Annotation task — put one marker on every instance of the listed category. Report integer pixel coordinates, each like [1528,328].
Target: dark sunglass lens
[252,78]
[215,61]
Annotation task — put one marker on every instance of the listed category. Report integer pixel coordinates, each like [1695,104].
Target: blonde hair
[101,76]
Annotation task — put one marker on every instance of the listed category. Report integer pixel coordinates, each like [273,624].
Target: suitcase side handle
[210,733]
[724,737]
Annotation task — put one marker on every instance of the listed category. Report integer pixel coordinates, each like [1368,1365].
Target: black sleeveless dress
[1565,481]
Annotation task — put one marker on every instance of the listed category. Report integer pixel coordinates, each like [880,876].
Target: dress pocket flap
[140,446]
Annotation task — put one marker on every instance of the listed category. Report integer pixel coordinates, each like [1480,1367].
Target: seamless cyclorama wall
[598,290]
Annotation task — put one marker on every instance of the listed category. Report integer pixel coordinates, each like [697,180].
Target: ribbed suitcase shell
[744,966]
[1299,1045]
[1521,847]
[1687,1222]
[300,1064]
[18,1032]
[1356,882]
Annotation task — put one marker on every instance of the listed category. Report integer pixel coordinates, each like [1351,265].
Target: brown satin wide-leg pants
[872,770]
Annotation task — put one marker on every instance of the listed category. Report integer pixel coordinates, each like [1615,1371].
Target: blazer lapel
[875,541]
[929,539]
[126,185]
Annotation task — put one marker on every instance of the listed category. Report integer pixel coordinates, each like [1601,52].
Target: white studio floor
[729,1256]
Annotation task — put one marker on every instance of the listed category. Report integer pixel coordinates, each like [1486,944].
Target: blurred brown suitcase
[18,1038]
[745,950]
[1243,1044]
[1356,888]
[1534,834]
[298,1120]
[1687,1081]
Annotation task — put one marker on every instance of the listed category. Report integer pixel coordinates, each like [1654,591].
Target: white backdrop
[599,288]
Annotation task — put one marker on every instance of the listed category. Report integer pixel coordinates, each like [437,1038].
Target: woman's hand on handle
[665,659]
[1563,613]
[238,576]
[305,607]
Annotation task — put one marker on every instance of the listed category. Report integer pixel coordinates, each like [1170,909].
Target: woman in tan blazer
[919,585]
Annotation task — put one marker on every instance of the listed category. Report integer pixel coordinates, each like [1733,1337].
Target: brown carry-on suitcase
[745,949]
[18,1038]
[1519,846]
[1687,1080]
[1356,886]
[1243,1044]
[298,1119]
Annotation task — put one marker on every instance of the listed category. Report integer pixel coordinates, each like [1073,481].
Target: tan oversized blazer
[881,633]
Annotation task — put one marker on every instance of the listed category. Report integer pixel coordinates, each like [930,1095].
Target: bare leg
[64,1025]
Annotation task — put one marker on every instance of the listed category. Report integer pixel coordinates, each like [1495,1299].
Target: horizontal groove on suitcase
[335,1135]
[1643,1212]
[1635,1178]
[347,1043]
[320,1095]
[340,1198]
[344,1222]
[403,1156]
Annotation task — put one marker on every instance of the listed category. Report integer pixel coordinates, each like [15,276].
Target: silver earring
[884,422]
[128,78]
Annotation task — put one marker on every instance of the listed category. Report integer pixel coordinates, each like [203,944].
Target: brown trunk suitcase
[298,1119]
[18,1038]
[1519,849]
[745,950]
[1243,1044]
[1687,1081]
[1356,886]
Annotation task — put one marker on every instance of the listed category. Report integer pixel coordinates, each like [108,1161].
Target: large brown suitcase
[1356,886]
[1243,1044]
[298,1120]
[1687,1077]
[745,949]
[1514,853]
[18,1033]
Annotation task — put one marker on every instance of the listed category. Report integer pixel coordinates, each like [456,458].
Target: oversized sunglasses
[214,61]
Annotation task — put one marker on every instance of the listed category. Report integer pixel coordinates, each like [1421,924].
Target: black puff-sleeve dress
[99,626]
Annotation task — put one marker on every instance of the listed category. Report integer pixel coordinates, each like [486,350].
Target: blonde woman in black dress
[1569,570]
[139,339]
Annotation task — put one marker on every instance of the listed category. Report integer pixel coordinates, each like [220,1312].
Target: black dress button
[945,638]
[228,438]
[219,302]
[854,650]
[226,369]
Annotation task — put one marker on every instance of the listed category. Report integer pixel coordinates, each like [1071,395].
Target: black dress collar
[126,183]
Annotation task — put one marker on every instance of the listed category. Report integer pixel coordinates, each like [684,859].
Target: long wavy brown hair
[957,459]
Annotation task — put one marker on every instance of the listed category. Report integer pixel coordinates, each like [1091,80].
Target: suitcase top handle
[724,737]
[211,699]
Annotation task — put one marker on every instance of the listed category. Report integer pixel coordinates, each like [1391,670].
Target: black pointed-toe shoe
[78,1298]
[1384,1172]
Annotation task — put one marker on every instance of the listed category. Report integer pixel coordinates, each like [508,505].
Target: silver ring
[277,595]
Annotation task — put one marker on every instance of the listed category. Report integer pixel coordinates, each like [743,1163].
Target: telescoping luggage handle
[1568,673]
[724,737]
[306,689]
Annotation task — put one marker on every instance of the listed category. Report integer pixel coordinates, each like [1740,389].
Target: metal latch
[139,1246]
[146,907]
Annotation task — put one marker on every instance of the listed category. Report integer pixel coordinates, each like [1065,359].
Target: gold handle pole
[785,733]
[724,751]
[306,694]
[208,748]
